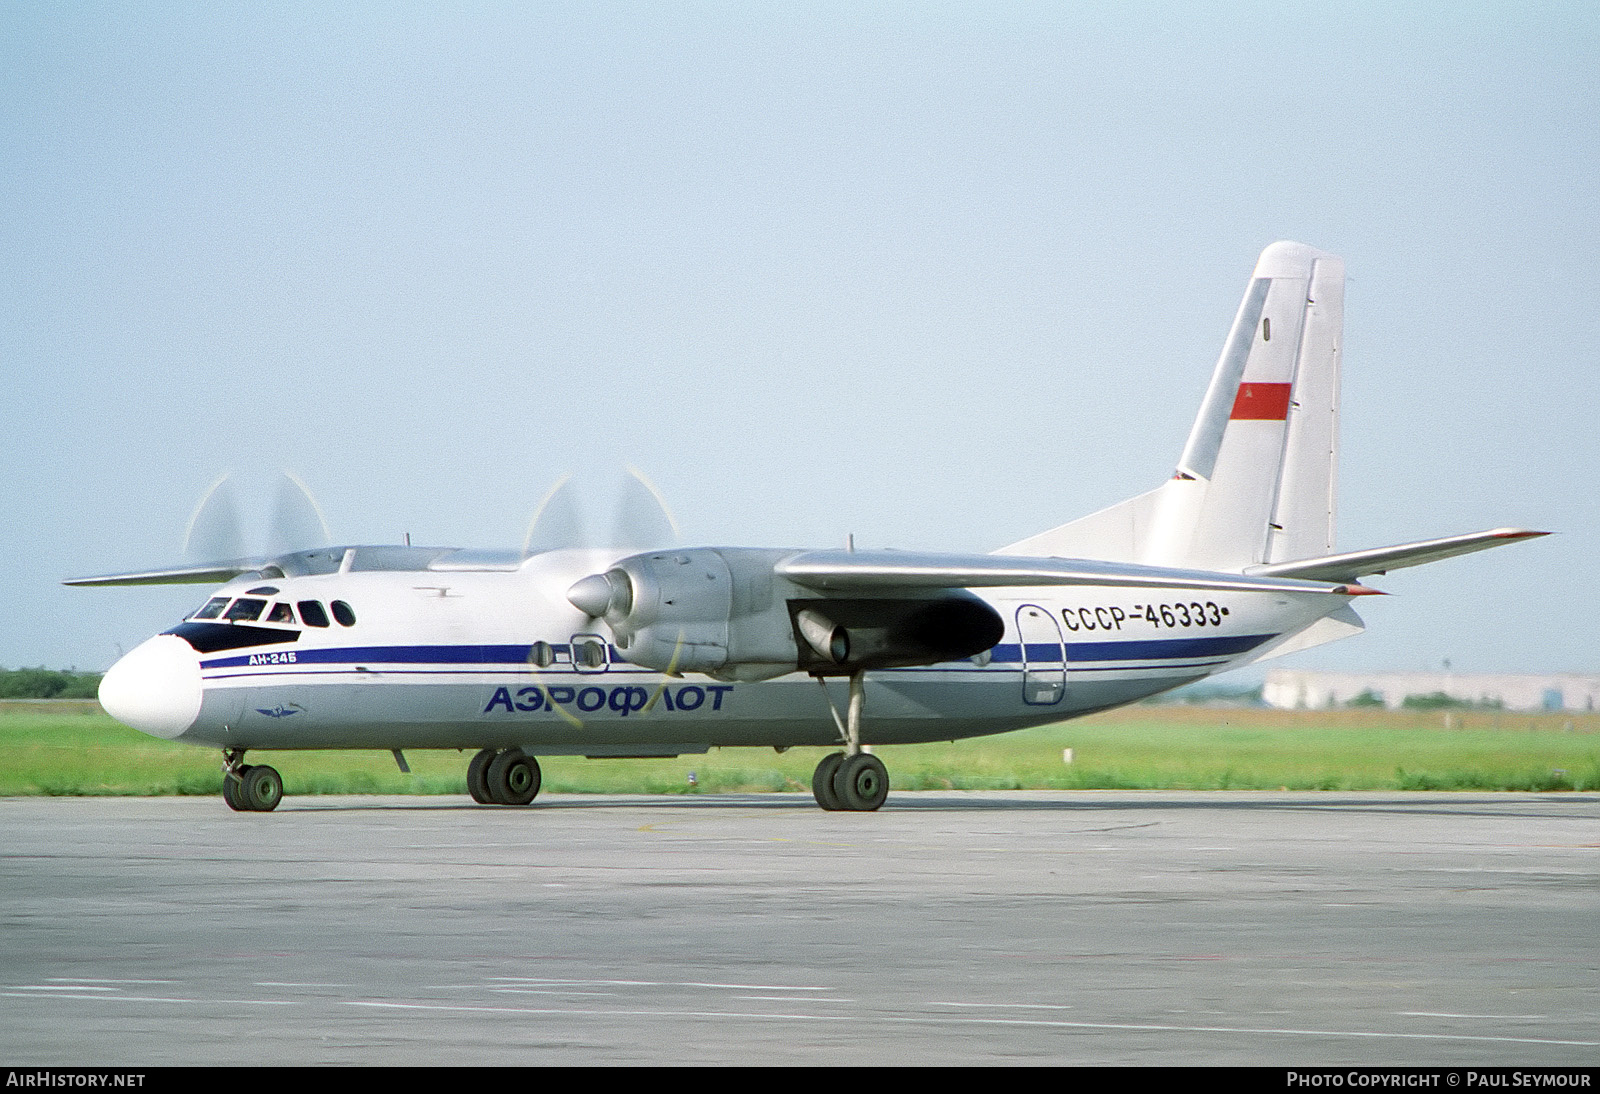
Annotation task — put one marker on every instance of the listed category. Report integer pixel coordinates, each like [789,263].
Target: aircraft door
[1044,657]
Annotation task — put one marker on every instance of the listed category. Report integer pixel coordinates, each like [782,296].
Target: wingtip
[1353,589]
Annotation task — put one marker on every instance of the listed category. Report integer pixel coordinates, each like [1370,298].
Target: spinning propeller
[215,543]
[641,519]
[216,529]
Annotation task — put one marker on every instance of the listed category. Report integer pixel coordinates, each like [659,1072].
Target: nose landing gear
[249,788]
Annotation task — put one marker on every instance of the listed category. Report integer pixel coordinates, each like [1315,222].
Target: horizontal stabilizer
[862,571]
[1354,565]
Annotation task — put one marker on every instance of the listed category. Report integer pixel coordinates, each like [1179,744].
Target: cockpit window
[343,613]
[245,610]
[311,611]
[281,613]
[212,609]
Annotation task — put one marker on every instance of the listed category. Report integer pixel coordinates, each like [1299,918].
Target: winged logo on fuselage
[282,710]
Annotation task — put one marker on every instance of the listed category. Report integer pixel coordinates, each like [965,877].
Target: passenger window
[212,609]
[281,613]
[542,654]
[311,611]
[245,610]
[342,612]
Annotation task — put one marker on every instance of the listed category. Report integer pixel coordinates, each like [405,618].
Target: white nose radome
[156,688]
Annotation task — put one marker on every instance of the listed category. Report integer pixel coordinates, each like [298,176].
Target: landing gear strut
[851,780]
[249,788]
[503,777]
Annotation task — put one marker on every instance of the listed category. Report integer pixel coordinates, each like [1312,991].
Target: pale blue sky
[938,275]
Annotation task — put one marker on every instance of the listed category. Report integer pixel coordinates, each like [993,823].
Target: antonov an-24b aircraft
[670,651]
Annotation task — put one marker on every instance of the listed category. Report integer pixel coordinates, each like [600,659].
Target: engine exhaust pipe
[830,641]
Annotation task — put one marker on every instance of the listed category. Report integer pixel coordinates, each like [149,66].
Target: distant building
[1293,689]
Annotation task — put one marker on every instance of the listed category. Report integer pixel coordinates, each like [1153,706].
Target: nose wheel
[249,788]
[852,780]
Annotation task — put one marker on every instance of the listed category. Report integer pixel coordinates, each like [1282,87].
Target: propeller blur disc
[641,519]
[216,529]
[557,523]
[297,522]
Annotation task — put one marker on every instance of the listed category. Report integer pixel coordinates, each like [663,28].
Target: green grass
[73,748]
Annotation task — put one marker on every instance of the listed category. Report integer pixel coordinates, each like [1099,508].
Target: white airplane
[671,651]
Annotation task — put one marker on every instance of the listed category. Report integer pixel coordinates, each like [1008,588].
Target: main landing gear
[249,788]
[503,777]
[852,780]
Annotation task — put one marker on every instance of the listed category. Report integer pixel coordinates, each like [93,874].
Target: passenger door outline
[1044,656]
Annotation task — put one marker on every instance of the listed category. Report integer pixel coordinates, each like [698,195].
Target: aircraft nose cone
[156,688]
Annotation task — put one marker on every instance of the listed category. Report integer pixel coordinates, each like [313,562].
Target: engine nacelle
[668,610]
[840,635]
[726,613]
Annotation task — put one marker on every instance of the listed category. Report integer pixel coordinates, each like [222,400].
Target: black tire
[478,777]
[822,782]
[230,790]
[862,783]
[262,789]
[512,778]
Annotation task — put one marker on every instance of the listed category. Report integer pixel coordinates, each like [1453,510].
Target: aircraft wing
[321,560]
[861,571]
[211,573]
[1379,560]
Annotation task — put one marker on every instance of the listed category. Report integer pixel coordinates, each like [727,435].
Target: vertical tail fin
[1255,482]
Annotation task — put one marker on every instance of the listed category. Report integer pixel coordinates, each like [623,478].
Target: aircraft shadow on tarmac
[990,802]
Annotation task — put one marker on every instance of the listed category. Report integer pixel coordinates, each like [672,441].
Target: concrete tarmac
[950,928]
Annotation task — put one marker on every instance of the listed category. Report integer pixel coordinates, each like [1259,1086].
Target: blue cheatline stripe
[1009,652]
[395,655]
[291,672]
[1159,649]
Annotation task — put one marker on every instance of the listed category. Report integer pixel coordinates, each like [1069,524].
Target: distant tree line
[1201,694]
[1436,700]
[48,684]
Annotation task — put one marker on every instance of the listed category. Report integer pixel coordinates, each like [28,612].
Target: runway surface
[1023,927]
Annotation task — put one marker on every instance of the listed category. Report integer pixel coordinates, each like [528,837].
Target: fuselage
[497,657]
